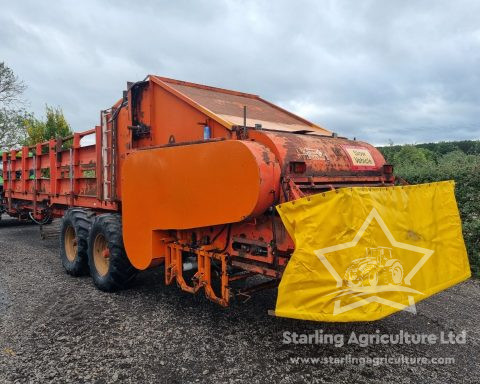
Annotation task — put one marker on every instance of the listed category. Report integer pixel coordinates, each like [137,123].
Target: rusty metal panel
[229,105]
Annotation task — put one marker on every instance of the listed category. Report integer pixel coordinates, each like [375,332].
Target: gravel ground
[55,328]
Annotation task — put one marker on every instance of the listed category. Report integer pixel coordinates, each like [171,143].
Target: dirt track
[57,328]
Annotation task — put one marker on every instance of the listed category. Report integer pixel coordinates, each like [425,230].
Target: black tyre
[74,232]
[109,266]
[49,221]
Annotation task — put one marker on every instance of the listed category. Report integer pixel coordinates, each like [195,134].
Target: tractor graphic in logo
[377,265]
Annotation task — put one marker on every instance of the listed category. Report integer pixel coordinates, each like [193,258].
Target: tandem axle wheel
[94,244]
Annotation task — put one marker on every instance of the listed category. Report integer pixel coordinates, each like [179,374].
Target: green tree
[12,130]
[412,156]
[35,130]
[11,87]
[55,125]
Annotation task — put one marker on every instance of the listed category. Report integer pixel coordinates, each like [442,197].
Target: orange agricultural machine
[185,176]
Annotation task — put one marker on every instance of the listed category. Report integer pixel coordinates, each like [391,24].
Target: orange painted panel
[192,186]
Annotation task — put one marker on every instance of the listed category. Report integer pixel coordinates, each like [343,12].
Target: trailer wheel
[109,266]
[74,232]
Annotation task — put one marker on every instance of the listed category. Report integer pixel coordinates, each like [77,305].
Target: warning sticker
[360,157]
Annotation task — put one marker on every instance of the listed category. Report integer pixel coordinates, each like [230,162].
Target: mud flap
[364,253]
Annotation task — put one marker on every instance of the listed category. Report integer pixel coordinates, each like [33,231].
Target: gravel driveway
[61,329]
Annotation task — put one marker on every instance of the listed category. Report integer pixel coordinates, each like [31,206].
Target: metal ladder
[108,158]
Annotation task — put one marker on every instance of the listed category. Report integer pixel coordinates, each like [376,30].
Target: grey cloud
[406,70]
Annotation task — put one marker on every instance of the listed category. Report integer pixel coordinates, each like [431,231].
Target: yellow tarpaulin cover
[364,253]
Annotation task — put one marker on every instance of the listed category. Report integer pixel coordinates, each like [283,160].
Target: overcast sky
[405,71]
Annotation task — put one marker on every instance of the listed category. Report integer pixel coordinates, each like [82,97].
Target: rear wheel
[397,273]
[109,266]
[74,231]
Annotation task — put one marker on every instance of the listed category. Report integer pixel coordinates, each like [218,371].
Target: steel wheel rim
[101,255]
[70,244]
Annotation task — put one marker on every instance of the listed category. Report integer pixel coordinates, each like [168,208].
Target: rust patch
[412,235]
[266,155]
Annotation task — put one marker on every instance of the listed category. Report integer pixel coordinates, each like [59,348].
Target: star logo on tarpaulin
[366,269]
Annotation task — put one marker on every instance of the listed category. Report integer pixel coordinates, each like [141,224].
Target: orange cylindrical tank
[322,155]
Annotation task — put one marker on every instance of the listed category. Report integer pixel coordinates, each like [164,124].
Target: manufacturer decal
[312,154]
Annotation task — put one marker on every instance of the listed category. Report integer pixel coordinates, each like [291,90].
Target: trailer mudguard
[364,253]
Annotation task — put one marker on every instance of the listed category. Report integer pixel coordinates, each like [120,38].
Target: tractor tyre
[74,232]
[396,271]
[109,265]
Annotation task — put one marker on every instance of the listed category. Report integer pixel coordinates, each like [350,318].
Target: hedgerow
[446,161]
